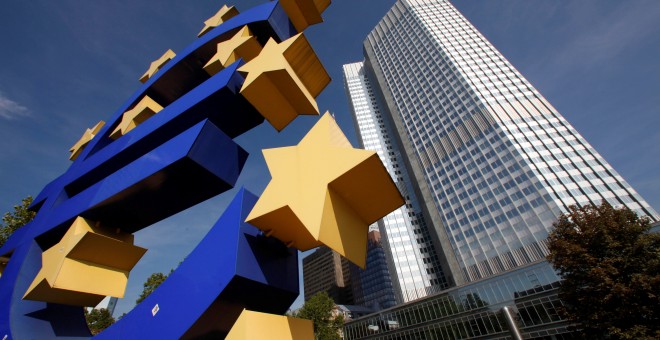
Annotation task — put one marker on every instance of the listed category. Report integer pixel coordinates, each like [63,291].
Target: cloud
[10,109]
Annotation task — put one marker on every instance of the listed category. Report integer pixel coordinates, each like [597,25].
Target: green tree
[319,309]
[98,320]
[150,285]
[11,221]
[610,265]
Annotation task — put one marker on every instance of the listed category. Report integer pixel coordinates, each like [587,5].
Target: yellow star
[225,13]
[304,13]
[80,145]
[255,325]
[157,65]
[242,45]
[323,191]
[88,264]
[146,108]
[283,81]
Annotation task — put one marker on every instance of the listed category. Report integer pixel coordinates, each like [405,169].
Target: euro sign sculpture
[169,147]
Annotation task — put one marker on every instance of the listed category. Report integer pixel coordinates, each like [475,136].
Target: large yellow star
[323,191]
[80,145]
[144,109]
[304,13]
[88,264]
[242,45]
[225,13]
[157,65]
[283,81]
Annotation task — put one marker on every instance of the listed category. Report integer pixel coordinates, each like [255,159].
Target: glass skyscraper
[485,162]
[372,286]
[411,253]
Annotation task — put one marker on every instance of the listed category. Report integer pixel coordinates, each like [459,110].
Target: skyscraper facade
[372,286]
[411,253]
[492,162]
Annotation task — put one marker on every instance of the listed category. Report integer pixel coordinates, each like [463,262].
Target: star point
[323,191]
[283,81]
[88,264]
[225,13]
[157,65]
[304,13]
[257,325]
[87,137]
[144,110]
[242,45]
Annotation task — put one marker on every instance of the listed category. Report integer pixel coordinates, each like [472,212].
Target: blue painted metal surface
[179,157]
[232,268]
[199,163]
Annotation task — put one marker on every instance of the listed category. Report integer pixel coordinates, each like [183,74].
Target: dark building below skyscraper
[372,287]
[325,270]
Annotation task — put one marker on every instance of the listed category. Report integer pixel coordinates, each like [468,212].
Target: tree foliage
[150,285]
[610,265]
[11,221]
[319,309]
[98,320]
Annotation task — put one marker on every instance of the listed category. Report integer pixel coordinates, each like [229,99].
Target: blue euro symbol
[181,156]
